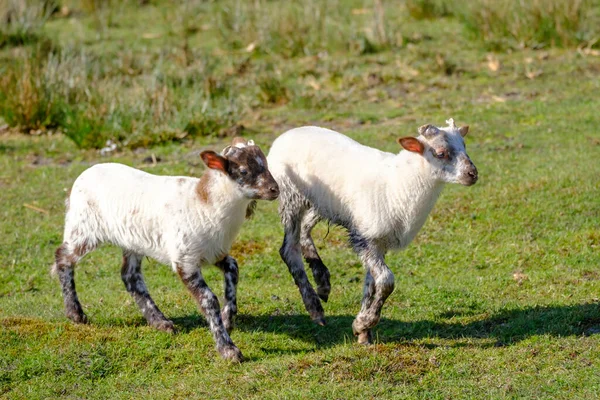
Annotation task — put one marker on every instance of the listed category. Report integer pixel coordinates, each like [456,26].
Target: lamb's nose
[473,175]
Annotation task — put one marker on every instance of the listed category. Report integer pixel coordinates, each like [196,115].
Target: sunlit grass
[498,297]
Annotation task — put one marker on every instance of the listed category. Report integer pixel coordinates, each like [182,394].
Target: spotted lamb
[182,221]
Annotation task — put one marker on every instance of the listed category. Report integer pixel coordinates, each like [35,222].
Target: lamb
[382,199]
[182,221]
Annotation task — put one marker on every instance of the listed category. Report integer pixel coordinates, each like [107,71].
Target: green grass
[147,75]
[498,297]
[21,21]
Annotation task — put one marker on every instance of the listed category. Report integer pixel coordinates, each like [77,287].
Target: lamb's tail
[54,266]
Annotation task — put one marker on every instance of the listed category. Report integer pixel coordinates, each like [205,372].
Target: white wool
[162,217]
[385,197]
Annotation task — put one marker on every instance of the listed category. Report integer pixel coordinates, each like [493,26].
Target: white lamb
[382,199]
[182,221]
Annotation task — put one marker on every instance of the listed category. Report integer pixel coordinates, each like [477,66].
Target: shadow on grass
[188,323]
[504,328]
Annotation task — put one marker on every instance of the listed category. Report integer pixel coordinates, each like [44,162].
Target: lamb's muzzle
[472,175]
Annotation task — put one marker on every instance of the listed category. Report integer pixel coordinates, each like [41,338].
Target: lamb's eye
[243,172]
[440,154]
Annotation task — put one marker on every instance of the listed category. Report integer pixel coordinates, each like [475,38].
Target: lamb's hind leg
[291,254]
[379,284]
[309,251]
[131,274]
[64,266]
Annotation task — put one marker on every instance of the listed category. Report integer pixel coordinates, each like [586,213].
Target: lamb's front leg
[209,305]
[379,284]
[229,267]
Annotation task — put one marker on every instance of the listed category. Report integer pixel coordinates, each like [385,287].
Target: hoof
[164,325]
[318,316]
[78,318]
[323,293]
[365,338]
[362,333]
[232,354]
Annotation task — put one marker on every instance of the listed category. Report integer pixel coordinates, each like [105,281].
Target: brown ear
[463,130]
[411,144]
[214,161]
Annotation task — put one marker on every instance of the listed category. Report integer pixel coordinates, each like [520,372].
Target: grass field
[498,297]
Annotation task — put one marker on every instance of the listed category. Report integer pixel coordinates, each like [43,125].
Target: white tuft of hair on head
[225,152]
[451,123]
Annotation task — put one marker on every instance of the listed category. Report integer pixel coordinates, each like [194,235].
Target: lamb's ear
[463,130]
[411,144]
[214,161]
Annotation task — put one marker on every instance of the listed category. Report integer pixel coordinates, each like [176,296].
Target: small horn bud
[428,130]
[226,151]
[239,142]
[451,123]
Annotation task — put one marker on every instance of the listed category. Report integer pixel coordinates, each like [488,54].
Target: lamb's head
[444,149]
[245,164]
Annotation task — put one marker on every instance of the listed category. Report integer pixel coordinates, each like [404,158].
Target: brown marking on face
[248,156]
[202,187]
[440,153]
[438,140]
[248,167]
